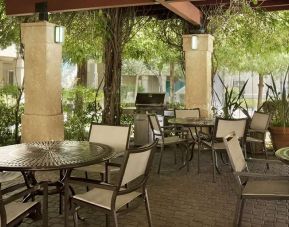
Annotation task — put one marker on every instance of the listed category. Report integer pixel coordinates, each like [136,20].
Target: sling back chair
[132,180]
[168,139]
[192,132]
[222,128]
[258,129]
[13,211]
[116,137]
[253,185]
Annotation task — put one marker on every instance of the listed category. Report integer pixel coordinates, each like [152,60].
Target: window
[10,77]
[238,84]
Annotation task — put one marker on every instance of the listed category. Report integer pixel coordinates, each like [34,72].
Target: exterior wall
[7,64]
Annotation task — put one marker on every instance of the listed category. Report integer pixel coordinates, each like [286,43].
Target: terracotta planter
[280,137]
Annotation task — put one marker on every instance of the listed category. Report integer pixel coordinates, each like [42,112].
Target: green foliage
[233,100]
[83,37]
[80,107]
[255,40]
[278,103]
[156,44]
[8,107]
[9,28]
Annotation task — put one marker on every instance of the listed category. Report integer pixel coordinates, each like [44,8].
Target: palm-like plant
[278,103]
[232,101]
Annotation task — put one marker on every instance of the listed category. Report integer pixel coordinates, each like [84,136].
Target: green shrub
[80,108]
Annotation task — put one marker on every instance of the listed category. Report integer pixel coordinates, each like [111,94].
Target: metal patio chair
[191,131]
[115,136]
[167,136]
[253,185]
[222,128]
[258,129]
[12,212]
[131,185]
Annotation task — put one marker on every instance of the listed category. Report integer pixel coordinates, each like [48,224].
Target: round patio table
[53,155]
[193,122]
[283,154]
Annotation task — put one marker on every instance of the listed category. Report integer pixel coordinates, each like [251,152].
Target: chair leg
[192,151]
[75,215]
[148,209]
[107,220]
[175,154]
[86,177]
[161,157]
[199,153]
[266,155]
[214,165]
[115,219]
[187,157]
[239,212]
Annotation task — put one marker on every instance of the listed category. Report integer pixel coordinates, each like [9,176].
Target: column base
[42,128]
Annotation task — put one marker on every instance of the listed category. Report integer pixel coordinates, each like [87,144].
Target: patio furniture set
[106,143]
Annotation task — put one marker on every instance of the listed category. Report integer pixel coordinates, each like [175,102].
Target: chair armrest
[264,161]
[260,175]
[168,126]
[113,164]
[257,130]
[22,193]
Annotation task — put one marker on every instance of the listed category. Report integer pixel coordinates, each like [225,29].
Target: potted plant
[278,105]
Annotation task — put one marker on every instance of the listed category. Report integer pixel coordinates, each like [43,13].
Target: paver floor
[179,199]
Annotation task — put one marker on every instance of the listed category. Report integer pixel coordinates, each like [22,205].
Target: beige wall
[198,73]
[43,118]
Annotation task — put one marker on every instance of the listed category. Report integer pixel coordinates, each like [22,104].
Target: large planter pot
[280,137]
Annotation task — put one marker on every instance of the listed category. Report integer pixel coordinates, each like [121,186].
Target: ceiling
[189,10]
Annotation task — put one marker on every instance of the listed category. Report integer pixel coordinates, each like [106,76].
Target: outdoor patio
[187,199]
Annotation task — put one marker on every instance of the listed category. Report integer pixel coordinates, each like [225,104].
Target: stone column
[43,117]
[198,70]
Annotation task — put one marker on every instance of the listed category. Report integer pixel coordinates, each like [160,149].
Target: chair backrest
[155,124]
[260,121]
[115,136]
[137,163]
[224,126]
[235,153]
[187,113]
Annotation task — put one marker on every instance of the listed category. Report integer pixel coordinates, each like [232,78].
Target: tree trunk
[160,79]
[172,82]
[82,73]
[260,91]
[112,74]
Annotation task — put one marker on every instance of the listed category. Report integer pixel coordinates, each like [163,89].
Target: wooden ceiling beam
[184,9]
[26,7]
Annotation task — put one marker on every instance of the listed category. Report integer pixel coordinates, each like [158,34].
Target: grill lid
[150,99]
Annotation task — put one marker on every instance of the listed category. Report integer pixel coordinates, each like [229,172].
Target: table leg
[66,196]
[45,204]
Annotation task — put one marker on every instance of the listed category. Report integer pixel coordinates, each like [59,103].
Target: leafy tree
[9,28]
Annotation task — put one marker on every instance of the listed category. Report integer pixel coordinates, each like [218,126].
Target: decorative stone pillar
[198,70]
[43,117]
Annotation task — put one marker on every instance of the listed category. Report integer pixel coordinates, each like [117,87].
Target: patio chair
[187,113]
[257,130]
[115,136]
[253,185]
[166,136]
[192,131]
[222,128]
[131,185]
[12,212]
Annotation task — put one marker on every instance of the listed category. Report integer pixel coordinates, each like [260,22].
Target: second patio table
[53,155]
[196,123]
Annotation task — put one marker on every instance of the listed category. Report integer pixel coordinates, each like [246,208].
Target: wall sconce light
[194,42]
[59,34]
